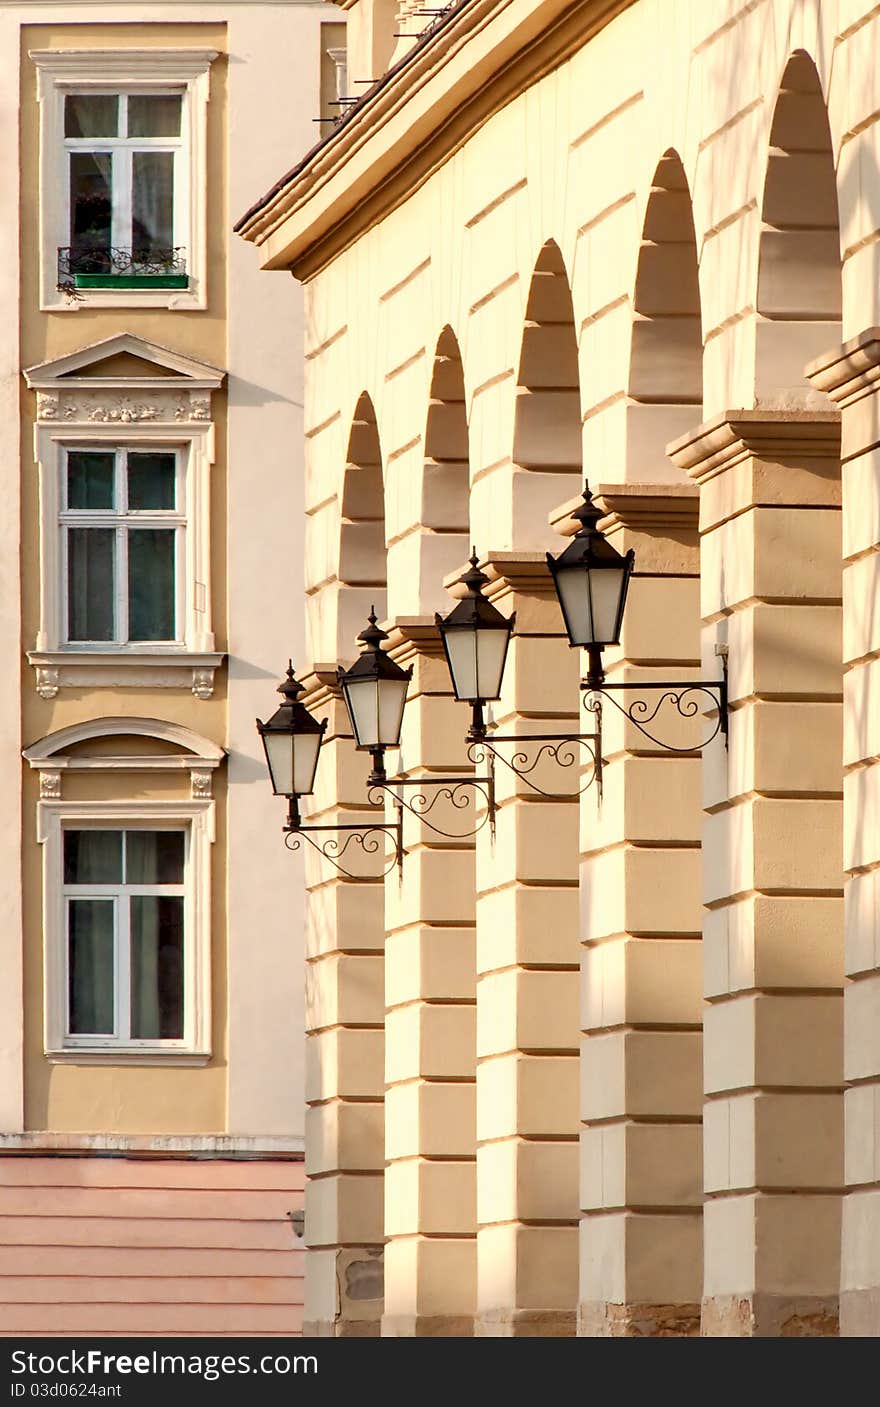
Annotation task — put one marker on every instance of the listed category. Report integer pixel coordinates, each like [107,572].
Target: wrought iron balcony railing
[101,266]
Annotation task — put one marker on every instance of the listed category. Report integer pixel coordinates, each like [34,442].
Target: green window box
[131,280]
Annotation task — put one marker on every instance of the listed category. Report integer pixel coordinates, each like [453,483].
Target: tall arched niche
[799,280]
[665,390]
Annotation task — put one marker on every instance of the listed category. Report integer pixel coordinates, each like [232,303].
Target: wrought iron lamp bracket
[365,837]
[561,748]
[458,792]
[684,695]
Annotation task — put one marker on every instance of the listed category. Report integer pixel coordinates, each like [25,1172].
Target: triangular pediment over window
[126,359]
[122,380]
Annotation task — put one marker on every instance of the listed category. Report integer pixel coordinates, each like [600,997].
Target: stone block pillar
[527,985]
[641,974]
[345,935]
[430,1177]
[772,872]
[851,376]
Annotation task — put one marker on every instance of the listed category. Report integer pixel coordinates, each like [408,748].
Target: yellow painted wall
[114,1098]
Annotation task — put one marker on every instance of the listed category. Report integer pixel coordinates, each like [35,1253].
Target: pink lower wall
[149,1245]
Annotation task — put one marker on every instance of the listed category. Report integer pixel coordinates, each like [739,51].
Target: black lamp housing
[475,638]
[374,689]
[292,741]
[591,580]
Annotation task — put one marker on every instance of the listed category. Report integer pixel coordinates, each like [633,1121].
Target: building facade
[151,1074]
[613,1070]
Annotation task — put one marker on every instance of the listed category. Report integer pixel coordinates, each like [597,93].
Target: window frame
[121,151]
[118,894]
[123,520]
[61,72]
[197,819]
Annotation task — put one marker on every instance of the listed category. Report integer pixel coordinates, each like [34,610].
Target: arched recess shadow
[799,266]
[445,485]
[547,440]
[362,569]
[665,390]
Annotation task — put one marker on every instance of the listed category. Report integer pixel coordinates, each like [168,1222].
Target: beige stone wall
[688,198]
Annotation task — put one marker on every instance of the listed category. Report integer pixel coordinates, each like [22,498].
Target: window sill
[120,1055]
[139,295]
[146,669]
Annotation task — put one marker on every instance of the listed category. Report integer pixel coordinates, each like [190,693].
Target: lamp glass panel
[573,590]
[461,646]
[606,586]
[491,651]
[305,762]
[362,700]
[280,757]
[392,697]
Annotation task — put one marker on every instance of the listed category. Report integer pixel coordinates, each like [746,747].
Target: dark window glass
[152,202]
[154,857]
[90,583]
[90,478]
[90,967]
[151,584]
[151,480]
[156,967]
[91,210]
[154,115]
[91,115]
[92,857]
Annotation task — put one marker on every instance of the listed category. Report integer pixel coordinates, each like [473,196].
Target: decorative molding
[45,1142]
[48,679]
[122,408]
[184,370]
[738,435]
[849,372]
[121,725]
[201,783]
[318,209]
[96,68]
[50,784]
[78,669]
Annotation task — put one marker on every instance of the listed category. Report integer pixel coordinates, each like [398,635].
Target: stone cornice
[321,688]
[509,571]
[851,371]
[642,507]
[412,636]
[737,435]
[426,107]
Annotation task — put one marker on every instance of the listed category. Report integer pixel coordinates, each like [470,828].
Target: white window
[126,191]
[124,895]
[124,468]
[123,171]
[123,529]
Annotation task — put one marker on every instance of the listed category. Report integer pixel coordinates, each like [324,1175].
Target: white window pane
[151,480]
[90,967]
[92,857]
[156,967]
[154,115]
[91,115]
[152,202]
[90,478]
[90,583]
[91,210]
[151,584]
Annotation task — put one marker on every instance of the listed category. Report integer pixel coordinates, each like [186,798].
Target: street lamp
[292,741]
[374,689]
[475,639]
[591,581]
